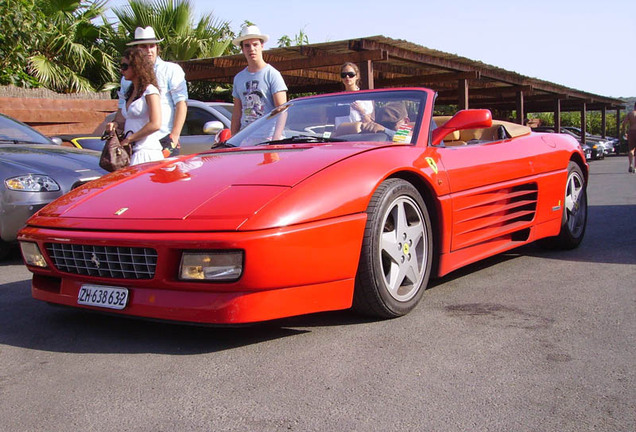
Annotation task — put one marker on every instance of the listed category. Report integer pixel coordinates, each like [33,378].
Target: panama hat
[144,36]
[250,32]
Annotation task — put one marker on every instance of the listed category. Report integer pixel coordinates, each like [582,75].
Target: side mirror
[56,140]
[222,136]
[212,127]
[464,119]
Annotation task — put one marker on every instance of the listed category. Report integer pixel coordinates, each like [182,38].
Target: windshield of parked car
[224,108]
[393,116]
[13,132]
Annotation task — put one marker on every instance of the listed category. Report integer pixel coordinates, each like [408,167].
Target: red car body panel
[298,212]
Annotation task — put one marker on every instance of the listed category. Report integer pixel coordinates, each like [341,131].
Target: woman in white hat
[259,88]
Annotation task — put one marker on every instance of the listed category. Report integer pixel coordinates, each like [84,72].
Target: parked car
[592,149]
[35,171]
[610,144]
[293,215]
[203,121]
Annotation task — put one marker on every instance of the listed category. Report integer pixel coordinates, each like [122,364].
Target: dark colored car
[592,149]
[35,171]
[610,144]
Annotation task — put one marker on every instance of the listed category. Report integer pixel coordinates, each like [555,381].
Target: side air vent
[494,215]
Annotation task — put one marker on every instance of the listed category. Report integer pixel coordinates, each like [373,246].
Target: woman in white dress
[142,112]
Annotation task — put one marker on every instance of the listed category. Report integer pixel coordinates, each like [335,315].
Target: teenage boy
[259,88]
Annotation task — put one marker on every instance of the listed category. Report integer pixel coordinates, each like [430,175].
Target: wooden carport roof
[386,62]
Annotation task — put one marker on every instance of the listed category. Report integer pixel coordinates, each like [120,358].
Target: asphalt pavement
[530,340]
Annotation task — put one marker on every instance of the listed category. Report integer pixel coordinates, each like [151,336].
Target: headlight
[32,255]
[32,183]
[221,266]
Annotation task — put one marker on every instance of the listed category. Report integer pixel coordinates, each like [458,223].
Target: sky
[588,45]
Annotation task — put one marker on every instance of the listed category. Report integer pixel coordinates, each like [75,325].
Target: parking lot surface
[530,340]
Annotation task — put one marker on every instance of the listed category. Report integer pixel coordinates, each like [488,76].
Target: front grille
[104,261]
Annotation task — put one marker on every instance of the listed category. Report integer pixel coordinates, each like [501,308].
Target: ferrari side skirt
[462,257]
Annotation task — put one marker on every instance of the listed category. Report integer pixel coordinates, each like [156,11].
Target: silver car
[34,171]
[203,121]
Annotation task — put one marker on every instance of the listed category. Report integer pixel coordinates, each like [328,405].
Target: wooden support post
[603,121]
[583,122]
[521,115]
[557,115]
[366,75]
[462,96]
[618,123]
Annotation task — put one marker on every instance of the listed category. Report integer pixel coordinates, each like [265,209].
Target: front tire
[397,252]
[574,219]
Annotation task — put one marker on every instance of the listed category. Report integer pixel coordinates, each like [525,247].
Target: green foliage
[173,21]
[20,24]
[573,118]
[299,39]
[75,57]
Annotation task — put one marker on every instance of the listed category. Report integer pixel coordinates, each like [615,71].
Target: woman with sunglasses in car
[142,111]
[361,111]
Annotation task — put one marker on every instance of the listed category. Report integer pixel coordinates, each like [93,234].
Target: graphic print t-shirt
[256,92]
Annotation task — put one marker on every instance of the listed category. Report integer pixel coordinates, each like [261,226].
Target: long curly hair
[144,72]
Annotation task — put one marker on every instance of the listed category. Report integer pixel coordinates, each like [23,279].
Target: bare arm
[279,99]
[236,116]
[117,124]
[180,112]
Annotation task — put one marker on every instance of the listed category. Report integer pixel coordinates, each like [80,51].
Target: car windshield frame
[15,132]
[326,118]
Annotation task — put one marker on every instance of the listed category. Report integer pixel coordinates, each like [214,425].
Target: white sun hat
[144,36]
[250,32]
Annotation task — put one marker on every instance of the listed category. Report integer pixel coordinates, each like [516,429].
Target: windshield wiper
[222,145]
[302,139]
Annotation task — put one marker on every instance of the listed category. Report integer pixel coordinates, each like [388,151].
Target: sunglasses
[124,66]
[347,74]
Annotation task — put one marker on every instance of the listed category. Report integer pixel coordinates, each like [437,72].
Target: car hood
[60,163]
[188,193]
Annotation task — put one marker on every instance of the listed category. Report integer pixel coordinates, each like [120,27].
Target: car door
[193,139]
[494,190]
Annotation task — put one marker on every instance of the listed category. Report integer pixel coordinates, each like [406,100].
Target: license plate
[103,296]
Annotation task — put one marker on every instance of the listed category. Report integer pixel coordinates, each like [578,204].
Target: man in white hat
[259,88]
[172,88]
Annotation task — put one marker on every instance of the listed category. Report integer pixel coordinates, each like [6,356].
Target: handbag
[114,155]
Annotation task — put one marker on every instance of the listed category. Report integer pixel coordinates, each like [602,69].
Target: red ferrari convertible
[329,202]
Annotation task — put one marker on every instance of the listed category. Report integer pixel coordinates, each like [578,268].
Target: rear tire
[574,219]
[397,252]
[5,249]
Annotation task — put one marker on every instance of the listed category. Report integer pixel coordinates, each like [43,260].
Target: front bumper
[13,216]
[287,271]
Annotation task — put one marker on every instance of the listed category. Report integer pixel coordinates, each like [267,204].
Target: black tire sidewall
[391,190]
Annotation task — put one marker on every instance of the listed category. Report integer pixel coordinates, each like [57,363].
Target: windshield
[393,116]
[225,109]
[14,132]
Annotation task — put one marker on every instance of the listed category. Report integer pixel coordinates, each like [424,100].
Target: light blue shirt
[172,89]
[256,92]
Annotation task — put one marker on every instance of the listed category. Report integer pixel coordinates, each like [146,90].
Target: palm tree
[173,21]
[74,56]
